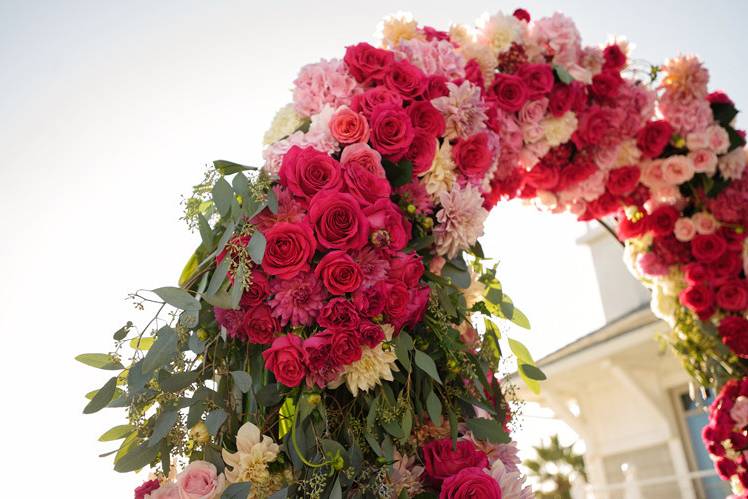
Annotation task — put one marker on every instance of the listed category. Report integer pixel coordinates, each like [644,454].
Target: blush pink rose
[348,126]
[697,140]
[200,480]
[364,156]
[166,491]
[653,174]
[684,229]
[739,411]
[677,170]
[704,161]
[705,223]
[717,139]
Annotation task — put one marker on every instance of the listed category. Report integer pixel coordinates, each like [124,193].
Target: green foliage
[553,466]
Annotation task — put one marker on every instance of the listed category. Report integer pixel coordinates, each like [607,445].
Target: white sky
[109,109]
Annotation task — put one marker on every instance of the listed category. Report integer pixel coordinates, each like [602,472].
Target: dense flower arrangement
[336,334]
[725,436]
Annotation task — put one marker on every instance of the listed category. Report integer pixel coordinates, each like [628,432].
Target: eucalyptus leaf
[229,167]
[116,433]
[427,365]
[214,420]
[102,397]
[162,351]
[257,244]
[136,458]
[177,381]
[100,361]
[434,408]
[488,429]
[122,332]
[237,491]
[532,372]
[206,233]
[459,277]
[243,380]
[222,196]
[178,297]
[164,423]
[272,202]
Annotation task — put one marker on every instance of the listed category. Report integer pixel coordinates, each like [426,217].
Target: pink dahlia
[463,110]
[374,265]
[297,300]
[435,57]
[460,220]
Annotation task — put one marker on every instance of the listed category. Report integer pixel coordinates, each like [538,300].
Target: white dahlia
[374,365]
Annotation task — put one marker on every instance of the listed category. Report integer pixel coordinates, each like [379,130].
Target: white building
[628,398]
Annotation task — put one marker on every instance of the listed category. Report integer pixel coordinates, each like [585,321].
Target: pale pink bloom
[532,132]
[605,157]
[200,480]
[437,57]
[298,300]
[653,175]
[704,161]
[374,266]
[437,264]
[463,110]
[168,490]
[460,220]
[533,111]
[697,140]
[685,229]
[405,475]
[705,223]
[677,170]
[499,31]
[559,38]
[739,411]
[512,483]
[667,194]
[510,133]
[364,156]
[717,139]
[686,115]
[323,83]
[686,76]
[547,199]
[731,165]
[591,59]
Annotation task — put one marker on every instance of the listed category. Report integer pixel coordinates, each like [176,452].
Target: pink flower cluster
[725,436]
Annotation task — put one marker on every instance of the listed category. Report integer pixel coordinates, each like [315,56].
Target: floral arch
[338,329]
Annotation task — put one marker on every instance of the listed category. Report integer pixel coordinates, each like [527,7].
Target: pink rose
[364,156]
[651,264]
[705,223]
[405,79]
[391,131]
[470,483]
[739,411]
[307,171]
[538,79]
[684,229]
[704,161]
[339,273]
[286,359]
[717,139]
[289,248]
[367,187]
[533,111]
[421,152]
[366,102]
[443,461]
[389,229]
[677,170]
[166,491]
[427,118]
[348,126]
[652,174]
[200,480]
[697,140]
[338,220]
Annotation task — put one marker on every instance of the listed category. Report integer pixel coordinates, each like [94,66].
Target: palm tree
[552,467]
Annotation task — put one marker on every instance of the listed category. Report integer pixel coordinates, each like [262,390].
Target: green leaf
[532,372]
[122,332]
[459,277]
[403,346]
[398,174]
[163,349]
[446,302]
[177,381]
[142,343]
[117,433]
[285,417]
[724,113]
[178,297]
[521,352]
[242,380]
[219,276]
[237,289]
[434,408]
[237,491]
[269,395]
[214,420]
[206,233]
[100,361]
[562,74]
[136,458]
[229,167]
[241,186]
[257,245]
[427,365]
[394,429]
[520,319]
[196,344]
[488,429]
[272,202]
[102,397]
[337,492]
[222,196]
[163,426]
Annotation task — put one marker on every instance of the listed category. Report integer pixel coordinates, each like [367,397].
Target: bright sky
[109,111]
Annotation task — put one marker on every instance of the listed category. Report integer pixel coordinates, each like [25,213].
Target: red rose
[696,273]
[509,91]
[733,296]
[345,347]
[575,173]
[338,312]
[699,298]
[259,326]
[522,15]
[257,292]
[391,131]
[370,302]
[473,156]
[427,118]
[708,247]
[389,229]
[370,334]
[365,186]
[339,273]
[421,152]
[538,79]
[396,300]
[307,171]
[727,266]
[628,229]
[469,483]
[338,220]
[594,126]
[368,64]
[408,268]
[319,359]
[406,79]
[561,99]
[671,250]
[474,73]
[442,461]
[615,58]
[662,220]
[146,488]
[734,332]
[726,468]
[419,299]
[436,86]
[366,102]
[719,97]
[286,359]
[622,181]
[289,248]
[653,138]
[544,177]
[606,84]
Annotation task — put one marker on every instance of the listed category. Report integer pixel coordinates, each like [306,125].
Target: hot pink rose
[699,298]
[473,156]
[345,346]
[708,247]
[146,488]
[289,248]
[339,273]
[338,220]
[348,126]
[389,229]
[653,138]
[651,264]
[307,171]
[370,334]
[436,86]
[734,332]
[470,483]
[364,156]
[338,312]
[606,84]
[421,152]
[405,79]
[391,131]
[426,118]
[733,296]
[370,302]
[622,181]
[366,102]
[368,64]
[408,268]
[538,79]
[367,187]
[286,358]
[442,461]
[200,480]
[509,91]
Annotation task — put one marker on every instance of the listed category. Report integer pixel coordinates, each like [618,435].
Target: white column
[680,466]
